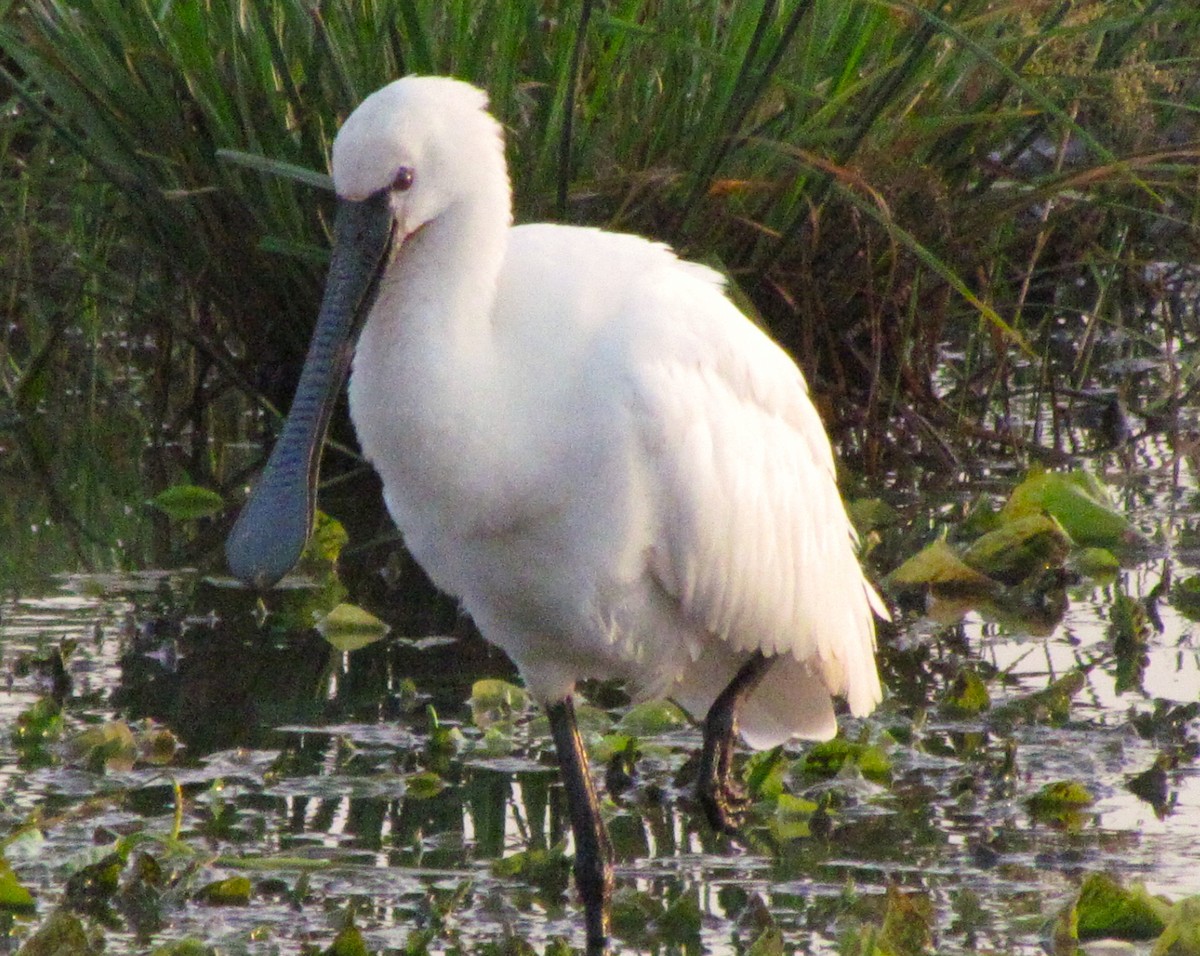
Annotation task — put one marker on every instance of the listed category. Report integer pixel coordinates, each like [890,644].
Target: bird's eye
[403,180]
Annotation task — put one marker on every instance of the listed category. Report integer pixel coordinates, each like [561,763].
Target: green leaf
[1019,547]
[188,502]
[423,785]
[1049,706]
[1105,908]
[1094,563]
[233,891]
[869,514]
[325,543]
[967,696]
[938,566]
[348,627]
[1185,597]
[62,934]
[826,759]
[793,817]
[184,947]
[277,167]
[1182,935]
[107,746]
[495,701]
[651,718]
[1079,503]
[14,897]
[546,869]
[348,942]
[1059,797]
[907,923]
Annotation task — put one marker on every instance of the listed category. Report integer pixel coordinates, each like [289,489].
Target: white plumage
[579,436]
[583,440]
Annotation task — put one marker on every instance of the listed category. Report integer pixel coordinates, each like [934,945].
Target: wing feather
[753,539]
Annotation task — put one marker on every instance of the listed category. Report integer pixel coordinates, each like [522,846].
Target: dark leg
[593,852]
[722,799]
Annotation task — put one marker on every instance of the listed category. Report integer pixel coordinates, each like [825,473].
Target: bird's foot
[724,803]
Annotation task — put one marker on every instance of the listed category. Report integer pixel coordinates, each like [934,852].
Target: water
[318,774]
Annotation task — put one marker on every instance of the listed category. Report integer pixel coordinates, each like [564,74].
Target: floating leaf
[651,718]
[156,745]
[1107,909]
[967,696]
[1078,501]
[62,934]
[1052,705]
[1094,562]
[348,942]
[1185,597]
[633,911]
[234,891]
[764,774]
[868,514]
[1153,785]
[14,897]
[793,817]
[681,921]
[423,785]
[907,923]
[826,759]
[95,883]
[326,541]
[1182,935]
[938,566]
[545,869]
[35,727]
[1018,548]
[188,502]
[348,627]
[107,746]
[1063,795]
[184,947]
[495,701]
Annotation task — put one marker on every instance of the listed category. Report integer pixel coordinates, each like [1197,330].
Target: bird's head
[410,153]
[426,142]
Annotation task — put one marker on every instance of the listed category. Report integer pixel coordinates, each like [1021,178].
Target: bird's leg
[722,799]
[593,851]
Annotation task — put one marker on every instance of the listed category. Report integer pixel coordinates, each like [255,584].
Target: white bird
[583,440]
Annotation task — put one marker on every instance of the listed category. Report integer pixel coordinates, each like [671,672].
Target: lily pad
[108,746]
[938,566]
[1078,501]
[545,869]
[1059,799]
[1182,935]
[348,627]
[652,718]
[1108,909]
[495,701]
[1019,547]
[63,934]
[234,891]
[1185,597]
[967,697]
[14,897]
[826,759]
[188,502]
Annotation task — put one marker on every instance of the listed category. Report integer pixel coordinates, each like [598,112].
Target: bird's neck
[438,294]
[423,356]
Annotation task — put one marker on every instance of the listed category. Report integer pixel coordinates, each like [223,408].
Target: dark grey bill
[273,528]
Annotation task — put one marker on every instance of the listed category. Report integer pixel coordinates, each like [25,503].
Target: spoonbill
[582,439]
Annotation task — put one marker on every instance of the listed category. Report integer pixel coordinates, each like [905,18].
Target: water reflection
[298,751]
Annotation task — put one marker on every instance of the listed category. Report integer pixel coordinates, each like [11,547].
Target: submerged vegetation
[973,222]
